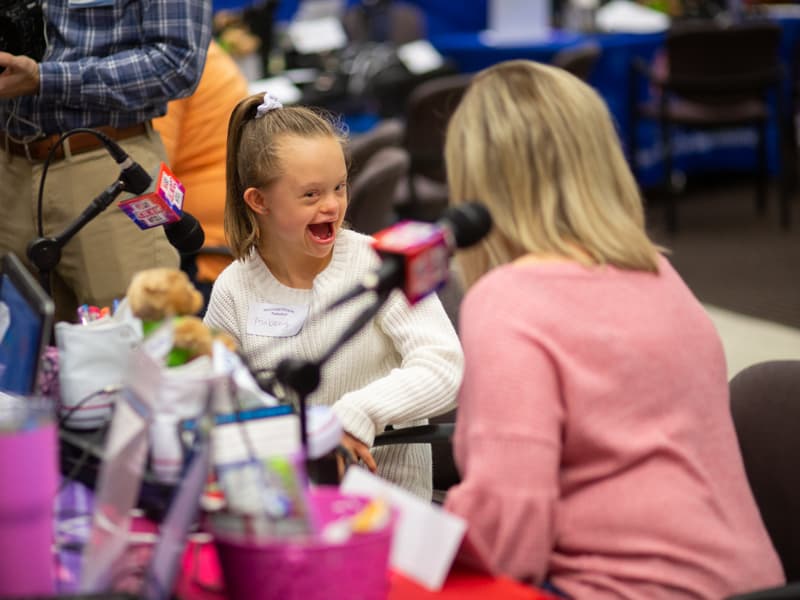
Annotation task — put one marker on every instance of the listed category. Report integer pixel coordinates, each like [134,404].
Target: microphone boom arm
[98,205]
[45,252]
[303,376]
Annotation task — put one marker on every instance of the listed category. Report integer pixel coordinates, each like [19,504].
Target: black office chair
[716,78]
[382,21]
[438,433]
[424,194]
[387,133]
[790,591]
[371,204]
[765,404]
[578,60]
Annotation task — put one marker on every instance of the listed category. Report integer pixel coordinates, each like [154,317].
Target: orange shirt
[195,132]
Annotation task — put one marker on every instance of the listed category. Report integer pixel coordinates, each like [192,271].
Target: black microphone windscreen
[133,175]
[469,223]
[137,180]
[186,234]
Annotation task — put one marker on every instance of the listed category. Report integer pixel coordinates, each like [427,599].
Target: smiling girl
[285,206]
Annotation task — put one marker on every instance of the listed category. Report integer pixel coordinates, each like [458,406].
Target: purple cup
[28,484]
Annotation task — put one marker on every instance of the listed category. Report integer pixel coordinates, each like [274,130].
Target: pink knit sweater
[595,440]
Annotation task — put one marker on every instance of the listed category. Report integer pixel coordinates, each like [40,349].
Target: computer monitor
[26,323]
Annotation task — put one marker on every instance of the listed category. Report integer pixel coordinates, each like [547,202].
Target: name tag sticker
[275,320]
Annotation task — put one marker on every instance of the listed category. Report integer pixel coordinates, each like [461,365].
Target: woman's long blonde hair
[253,159]
[537,146]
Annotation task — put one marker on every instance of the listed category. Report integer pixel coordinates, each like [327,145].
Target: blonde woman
[284,212]
[594,438]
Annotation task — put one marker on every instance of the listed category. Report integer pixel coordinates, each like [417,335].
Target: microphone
[416,256]
[132,174]
[186,234]
[161,203]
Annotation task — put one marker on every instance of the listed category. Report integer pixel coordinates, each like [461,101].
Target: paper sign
[420,57]
[317,35]
[5,320]
[240,441]
[426,537]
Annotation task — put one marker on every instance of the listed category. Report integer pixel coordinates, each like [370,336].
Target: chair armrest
[786,592]
[420,434]
[744,83]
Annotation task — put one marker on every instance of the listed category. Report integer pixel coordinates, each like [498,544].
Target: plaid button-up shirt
[112,62]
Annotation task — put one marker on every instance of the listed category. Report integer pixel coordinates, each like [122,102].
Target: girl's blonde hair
[253,159]
[538,147]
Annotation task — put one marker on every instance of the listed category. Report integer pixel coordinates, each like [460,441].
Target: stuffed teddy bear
[155,294]
[158,294]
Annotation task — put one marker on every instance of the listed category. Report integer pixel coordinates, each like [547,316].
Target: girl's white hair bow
[269,103]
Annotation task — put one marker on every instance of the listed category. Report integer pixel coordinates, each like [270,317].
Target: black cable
[46,165]
[86,452]
[106,390]
[76,468]
[79,463]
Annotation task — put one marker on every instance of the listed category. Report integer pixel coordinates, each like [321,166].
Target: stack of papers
[624,16]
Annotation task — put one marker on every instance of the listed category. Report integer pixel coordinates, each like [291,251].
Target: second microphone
[416,255]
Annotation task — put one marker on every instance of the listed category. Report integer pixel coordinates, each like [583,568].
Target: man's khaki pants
[97,264]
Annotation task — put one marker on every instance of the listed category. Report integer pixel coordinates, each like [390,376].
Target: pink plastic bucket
[354,570]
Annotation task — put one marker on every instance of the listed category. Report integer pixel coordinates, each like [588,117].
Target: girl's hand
[360,451]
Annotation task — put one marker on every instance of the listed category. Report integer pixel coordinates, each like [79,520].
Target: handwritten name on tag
[275,320]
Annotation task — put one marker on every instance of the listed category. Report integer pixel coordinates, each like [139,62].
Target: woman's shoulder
[503,281]
[495,292]
[530,284]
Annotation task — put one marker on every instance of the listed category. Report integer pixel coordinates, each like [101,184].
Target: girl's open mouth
[321,232]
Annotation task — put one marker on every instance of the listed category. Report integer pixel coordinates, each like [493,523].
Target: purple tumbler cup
[28,483]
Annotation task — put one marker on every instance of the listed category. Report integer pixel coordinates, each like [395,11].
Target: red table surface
[463,585]
[201,579]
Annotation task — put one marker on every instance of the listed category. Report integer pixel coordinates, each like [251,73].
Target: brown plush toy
[192,336]
[155,294]
[158,294]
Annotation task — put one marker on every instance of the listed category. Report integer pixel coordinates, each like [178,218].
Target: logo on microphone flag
[161,205]
[424,250]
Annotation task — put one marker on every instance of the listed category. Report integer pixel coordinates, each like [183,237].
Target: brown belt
[78,143]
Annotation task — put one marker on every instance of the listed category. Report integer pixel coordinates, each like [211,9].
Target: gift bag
[93,365]
[175,394]
[183,393]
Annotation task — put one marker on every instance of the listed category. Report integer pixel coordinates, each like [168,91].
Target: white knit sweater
[403,367]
